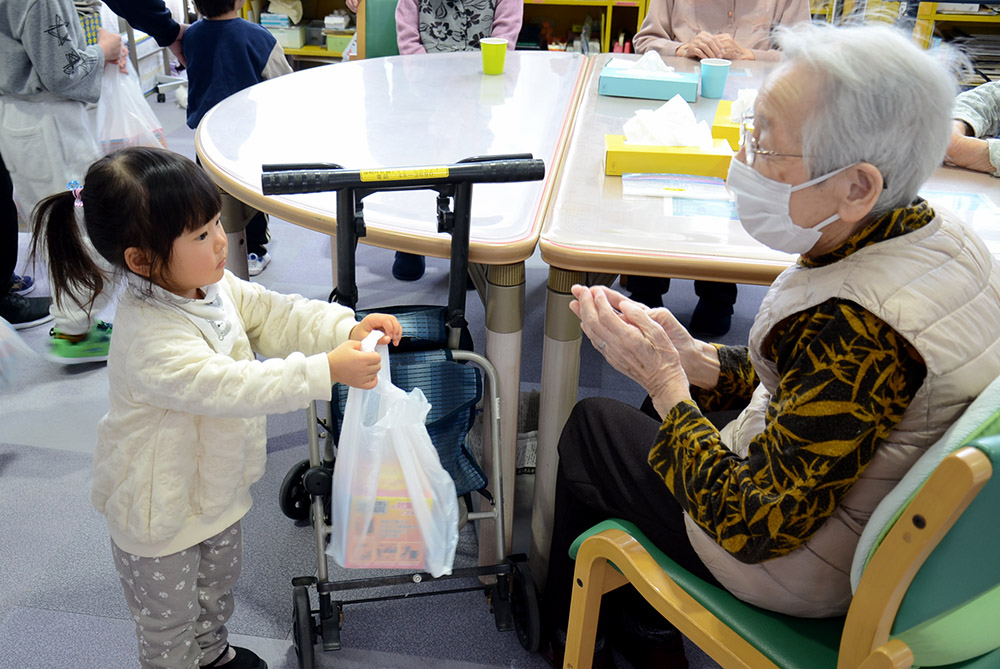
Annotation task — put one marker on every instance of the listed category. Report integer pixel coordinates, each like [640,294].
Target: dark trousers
[604,473]
[715,292]
[257,235]
[8,228]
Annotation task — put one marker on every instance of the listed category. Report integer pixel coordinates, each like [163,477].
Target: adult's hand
[968,152]
[353,5]
[111,45]
[699,359]
[175,47]
[704,45]
[731,50]
[633,343]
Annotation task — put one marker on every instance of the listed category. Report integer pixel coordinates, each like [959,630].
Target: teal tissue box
[630,83]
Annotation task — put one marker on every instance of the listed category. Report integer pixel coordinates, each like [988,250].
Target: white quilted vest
[938,287]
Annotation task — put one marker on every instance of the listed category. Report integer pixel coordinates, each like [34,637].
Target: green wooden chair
[928,595]
[377,28]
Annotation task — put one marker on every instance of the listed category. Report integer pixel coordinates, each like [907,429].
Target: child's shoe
[74,350]
[256,263]
[243,659]
[22,285]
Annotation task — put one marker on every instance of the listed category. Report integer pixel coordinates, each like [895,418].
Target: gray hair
[882,101]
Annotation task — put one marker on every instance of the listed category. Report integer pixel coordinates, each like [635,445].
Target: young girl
[184,437]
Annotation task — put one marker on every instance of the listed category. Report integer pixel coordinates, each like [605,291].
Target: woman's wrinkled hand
[633,343]
[699,359]
[731,50]
[703,45]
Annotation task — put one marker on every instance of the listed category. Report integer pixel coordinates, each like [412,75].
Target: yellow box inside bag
[392,539]
[723,126]
[620,157]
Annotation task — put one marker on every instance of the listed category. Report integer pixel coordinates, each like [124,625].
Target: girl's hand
[351,366]
[384,322]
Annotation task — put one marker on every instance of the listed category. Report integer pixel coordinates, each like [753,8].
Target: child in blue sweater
[226,54]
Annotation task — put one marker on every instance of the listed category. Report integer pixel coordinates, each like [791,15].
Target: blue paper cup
[714,72]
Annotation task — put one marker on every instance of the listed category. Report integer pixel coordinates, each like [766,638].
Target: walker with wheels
[433,357]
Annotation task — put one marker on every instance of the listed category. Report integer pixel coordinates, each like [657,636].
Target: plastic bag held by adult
[123,115]
[393,504]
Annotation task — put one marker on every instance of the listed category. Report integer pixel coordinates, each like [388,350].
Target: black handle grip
[275,182]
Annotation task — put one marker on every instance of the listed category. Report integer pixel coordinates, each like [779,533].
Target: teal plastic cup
[714,72]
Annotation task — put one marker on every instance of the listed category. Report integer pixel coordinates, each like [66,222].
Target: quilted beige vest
[939,287]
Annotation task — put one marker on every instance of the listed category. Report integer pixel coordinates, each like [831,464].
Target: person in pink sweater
[434,26]
[733,29]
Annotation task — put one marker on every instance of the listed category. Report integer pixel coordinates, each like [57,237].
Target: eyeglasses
[749,142]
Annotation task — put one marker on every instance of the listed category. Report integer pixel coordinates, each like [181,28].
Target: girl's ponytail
[72,270]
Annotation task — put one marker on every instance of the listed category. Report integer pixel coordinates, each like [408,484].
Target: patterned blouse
[846,379]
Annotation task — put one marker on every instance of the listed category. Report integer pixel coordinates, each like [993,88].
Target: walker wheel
[524,604]
[160,97]
[293,498]
[303,631]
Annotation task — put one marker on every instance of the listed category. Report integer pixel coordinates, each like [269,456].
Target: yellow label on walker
[392,539]
[401,175]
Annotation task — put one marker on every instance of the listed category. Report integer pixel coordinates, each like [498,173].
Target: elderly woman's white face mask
[763,206]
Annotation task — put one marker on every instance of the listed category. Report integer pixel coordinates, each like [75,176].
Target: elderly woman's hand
[633,343]
[702,45]
[731,50]
[699,359]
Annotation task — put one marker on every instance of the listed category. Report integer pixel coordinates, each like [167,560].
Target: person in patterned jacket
[862,353]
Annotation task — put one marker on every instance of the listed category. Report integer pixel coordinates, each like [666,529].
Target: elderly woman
[977,115]
[862,354]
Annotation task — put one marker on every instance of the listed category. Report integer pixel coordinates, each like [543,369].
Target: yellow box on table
[723,126]
[620,158]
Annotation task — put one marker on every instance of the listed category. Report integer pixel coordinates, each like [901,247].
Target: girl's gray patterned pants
[181,602]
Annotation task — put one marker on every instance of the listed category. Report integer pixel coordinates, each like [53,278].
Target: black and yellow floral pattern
[846,379]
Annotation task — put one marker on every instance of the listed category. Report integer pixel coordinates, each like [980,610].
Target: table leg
[560,381]
[504,322]
[234,218]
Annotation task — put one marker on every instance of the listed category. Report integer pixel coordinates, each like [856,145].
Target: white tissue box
[620,157]
[631,83]
[723,126]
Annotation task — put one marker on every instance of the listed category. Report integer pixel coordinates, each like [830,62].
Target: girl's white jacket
[184,437]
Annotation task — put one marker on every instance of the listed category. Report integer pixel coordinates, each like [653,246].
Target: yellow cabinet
[929,13]
[627,11]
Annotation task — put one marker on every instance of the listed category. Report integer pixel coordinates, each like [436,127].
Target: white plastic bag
[123,115]
[393,504]
[14,354]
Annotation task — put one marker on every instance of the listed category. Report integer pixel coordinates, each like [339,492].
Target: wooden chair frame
[612,558]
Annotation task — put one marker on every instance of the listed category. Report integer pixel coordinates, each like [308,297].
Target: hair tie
[75,188]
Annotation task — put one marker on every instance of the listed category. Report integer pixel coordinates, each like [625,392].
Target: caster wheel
[161,97]
[303,632]
[293,498]
[524,605]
